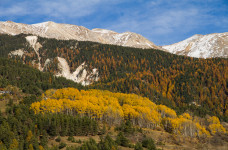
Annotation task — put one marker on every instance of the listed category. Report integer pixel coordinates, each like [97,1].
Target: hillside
[114,108]
[73,119]
[183,83]
[202,46]
[28,79]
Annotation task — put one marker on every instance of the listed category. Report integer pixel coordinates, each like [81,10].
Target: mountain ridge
[201,46]
[73,32]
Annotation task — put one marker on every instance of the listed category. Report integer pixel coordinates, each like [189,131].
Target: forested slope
[32,123]
[183,83]
[28,79]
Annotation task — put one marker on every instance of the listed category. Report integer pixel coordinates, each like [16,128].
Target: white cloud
[54,8]
[68,8]
[158,20]
[171,21]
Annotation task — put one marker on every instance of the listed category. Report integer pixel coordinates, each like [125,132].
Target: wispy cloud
[55,8]
[165,22]
[161,21]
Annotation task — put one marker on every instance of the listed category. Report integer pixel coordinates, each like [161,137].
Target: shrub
[126,127]
[58,139]
[148,143]
[122,140]
[138,146]
[107,143]
[62,145]
[71,138]
[78,141]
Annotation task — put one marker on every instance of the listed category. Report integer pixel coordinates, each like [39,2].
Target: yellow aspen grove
[201,131]
[215,126]
[113,108]
[166,111]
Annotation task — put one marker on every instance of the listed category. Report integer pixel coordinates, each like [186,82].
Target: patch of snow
[32,40]
[41,25]
[149,44]
[8,32]
[19,52]
[103,31]
[201,46]
[126,37]
[180,46]
[118,37]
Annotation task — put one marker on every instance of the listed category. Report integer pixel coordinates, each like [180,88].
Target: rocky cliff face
[202,46]
[80,33]
[81,74]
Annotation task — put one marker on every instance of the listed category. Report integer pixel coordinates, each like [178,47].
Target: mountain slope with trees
[28,79]
[33,123]
[182,83]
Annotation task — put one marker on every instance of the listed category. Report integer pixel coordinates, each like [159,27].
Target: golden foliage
[41,147]
[215,126]
[166,111]
[186,126]
[14,144]
[29,136]
[116,107]
[30,147]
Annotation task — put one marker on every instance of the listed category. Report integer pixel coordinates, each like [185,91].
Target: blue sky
[161,21]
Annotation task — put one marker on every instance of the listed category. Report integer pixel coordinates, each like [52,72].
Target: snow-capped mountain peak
[202,46]
[66,32]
